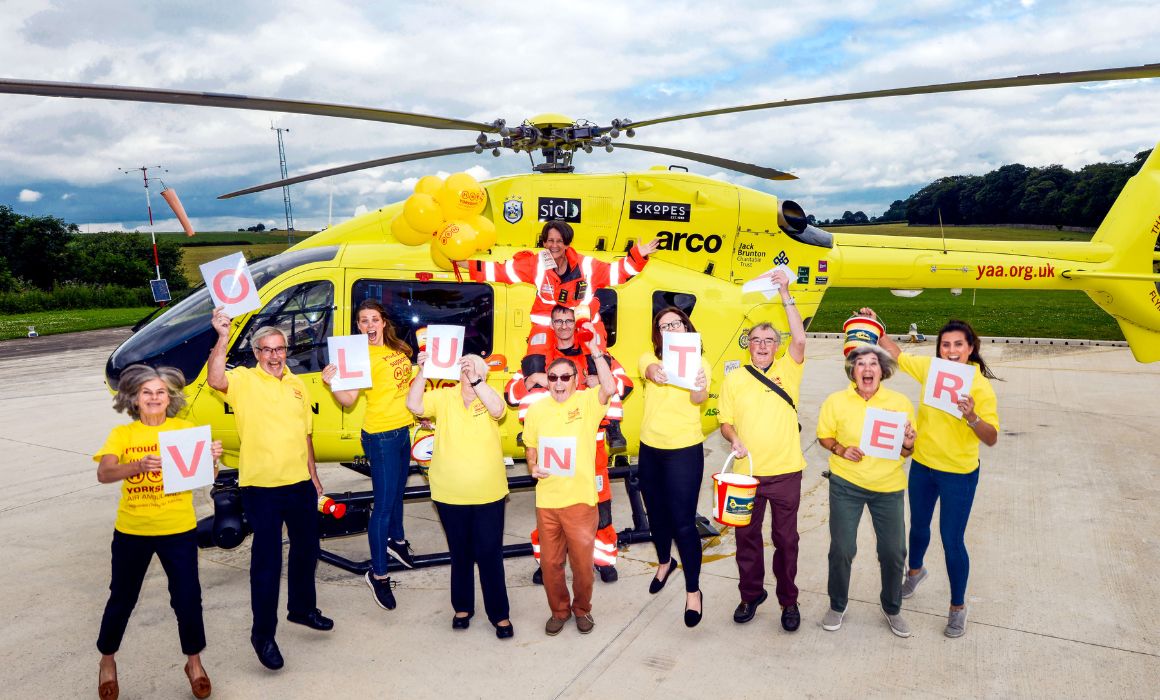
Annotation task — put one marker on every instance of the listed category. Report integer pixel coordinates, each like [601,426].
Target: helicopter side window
[682,300]
[607,299]
[304,313]
[412,305]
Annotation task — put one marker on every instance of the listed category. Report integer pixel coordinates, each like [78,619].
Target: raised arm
[216,367]
[415,393]
[797,329]
[603,371]
[885,341]
[486,394]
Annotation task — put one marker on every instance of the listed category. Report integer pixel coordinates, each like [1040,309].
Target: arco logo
[692,242]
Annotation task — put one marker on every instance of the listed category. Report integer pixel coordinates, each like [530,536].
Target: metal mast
[285,188]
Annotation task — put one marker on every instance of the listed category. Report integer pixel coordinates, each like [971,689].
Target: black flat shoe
[460,623]
[314,619]
[505,631]
[745,611]
[693,617]
[267,651]
[657,584]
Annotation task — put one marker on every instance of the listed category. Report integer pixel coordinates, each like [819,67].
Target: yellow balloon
[456,240]
[440,259]
[428,184]
[486,228]
[403,232]
[461,197]
[423,213]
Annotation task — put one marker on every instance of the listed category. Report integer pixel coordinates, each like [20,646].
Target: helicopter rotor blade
[747,168]
[1151,70]
[220,99]
[351,168]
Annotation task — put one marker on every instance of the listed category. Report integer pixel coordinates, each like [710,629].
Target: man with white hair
[278,478]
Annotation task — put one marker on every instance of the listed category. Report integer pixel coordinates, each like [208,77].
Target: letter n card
[231,285]
[352,355]
[186,462]
[945,383]
[558,455]
[883,433]
[681,357]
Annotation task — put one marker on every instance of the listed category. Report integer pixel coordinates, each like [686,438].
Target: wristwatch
[477,382]
[791,302]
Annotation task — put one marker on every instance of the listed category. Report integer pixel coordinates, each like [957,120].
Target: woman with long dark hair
[945,468]
[386,442]
[672,462]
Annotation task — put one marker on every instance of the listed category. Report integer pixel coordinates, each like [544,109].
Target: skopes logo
[560,208]
[692,242]
[659,211]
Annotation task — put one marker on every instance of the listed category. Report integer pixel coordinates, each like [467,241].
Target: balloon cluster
[446,214]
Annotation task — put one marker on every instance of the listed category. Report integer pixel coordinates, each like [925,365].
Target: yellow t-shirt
[467,467]
[577,418]
[944,442]
[387,397]
[671,421]
[842,416]
[145,509]
[763,420]
[273,417]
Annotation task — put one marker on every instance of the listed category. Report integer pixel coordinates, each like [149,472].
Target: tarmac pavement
[1064,541]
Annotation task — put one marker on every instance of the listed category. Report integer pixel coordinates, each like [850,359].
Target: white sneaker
[897,625]
[832,622]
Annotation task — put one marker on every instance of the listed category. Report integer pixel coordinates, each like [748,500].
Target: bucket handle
[729,461]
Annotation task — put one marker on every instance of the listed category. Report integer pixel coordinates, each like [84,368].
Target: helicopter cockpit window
[682,300]
[412,305]
[304,313]
[607,299]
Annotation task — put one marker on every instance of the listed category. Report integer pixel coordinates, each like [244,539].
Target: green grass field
[224,237]
[51,322]
[970,233]
[192,258]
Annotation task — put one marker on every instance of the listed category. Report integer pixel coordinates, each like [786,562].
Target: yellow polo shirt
[944,442]
[671,421]
[274,417]
[578,417]
[763,420]
[842,417]
[145,509]
[387,397]
[467,467]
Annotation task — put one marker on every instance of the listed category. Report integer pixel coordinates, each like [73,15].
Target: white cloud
[29,196]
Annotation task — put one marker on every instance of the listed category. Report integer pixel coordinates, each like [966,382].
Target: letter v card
[352,355]
[186,462]
[681,357]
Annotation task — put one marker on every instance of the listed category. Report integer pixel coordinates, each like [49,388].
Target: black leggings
[671,482]
[131,557]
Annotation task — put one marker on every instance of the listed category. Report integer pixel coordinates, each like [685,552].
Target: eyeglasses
[762,342]
[563,322]
[280,350]
[560,377]
[673,326]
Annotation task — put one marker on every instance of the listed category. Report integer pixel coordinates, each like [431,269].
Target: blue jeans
[957,493]
[390,456]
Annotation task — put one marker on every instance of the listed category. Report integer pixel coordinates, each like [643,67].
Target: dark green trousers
[887,514]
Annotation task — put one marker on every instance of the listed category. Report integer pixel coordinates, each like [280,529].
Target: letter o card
[558,455]
[444,349]
[945,383]
[883,433]
[681,357]
[186,462]
[352,355]
[231,285]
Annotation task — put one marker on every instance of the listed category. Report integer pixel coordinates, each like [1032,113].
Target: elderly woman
[946,463]
[469,487]
[859,480]
[672,462]
[149,521]
[386,441]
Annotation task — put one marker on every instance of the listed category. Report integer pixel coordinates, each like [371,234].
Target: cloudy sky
[590,60]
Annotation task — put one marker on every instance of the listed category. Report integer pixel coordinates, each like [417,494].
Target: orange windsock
[170,196]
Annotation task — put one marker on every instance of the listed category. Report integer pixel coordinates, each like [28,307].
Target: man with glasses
[522,392]
[278,478]
[560,442]
[758,416]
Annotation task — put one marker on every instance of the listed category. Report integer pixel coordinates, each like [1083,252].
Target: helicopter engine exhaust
[792,219]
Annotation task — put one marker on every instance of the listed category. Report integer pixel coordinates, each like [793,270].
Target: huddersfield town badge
[513,210]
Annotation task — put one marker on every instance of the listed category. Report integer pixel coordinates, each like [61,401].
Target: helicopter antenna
[941,231]
[285,188]
[149,207]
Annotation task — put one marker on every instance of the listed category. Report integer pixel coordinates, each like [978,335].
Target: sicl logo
[561,208]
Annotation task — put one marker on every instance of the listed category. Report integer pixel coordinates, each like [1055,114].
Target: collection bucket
[733,495]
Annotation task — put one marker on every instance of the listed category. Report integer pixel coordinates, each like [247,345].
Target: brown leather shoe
[200,686]
[554,625]
[585,623]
